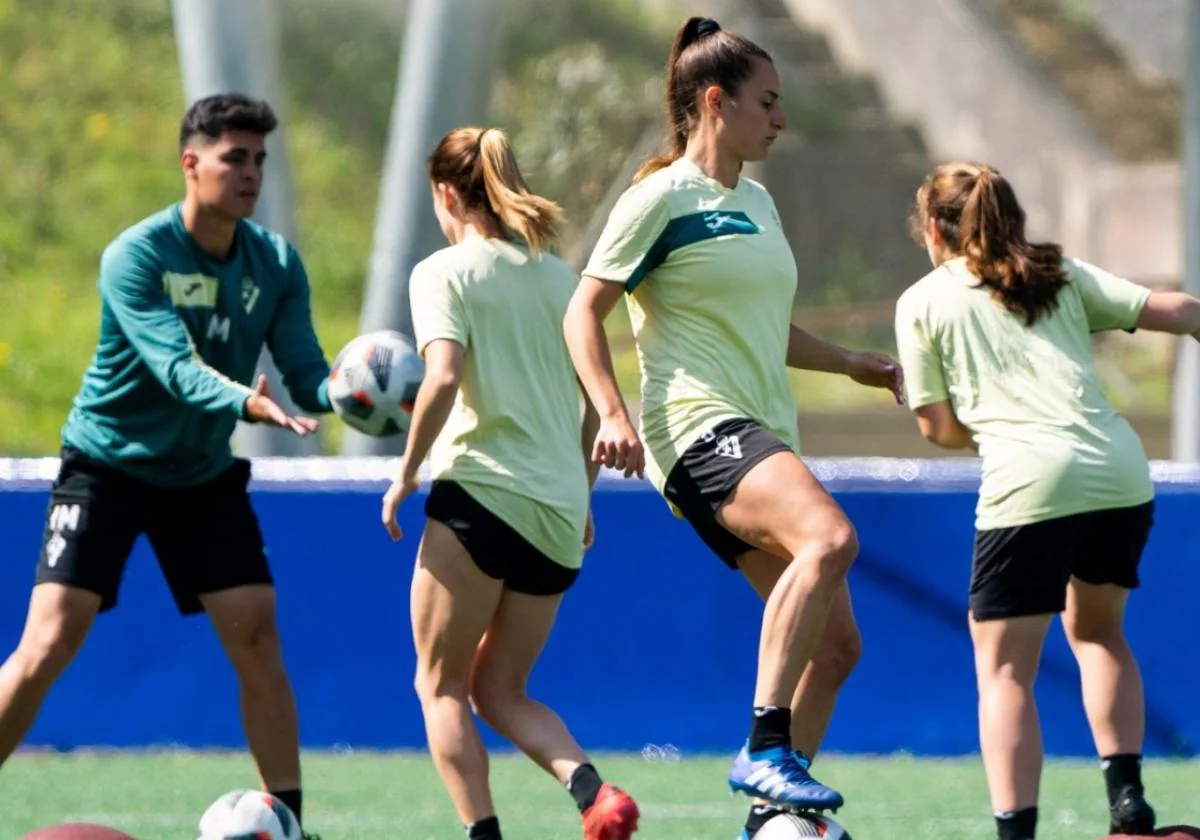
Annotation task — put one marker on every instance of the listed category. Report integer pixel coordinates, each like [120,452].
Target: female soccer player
[996,346]
[711,282]
[508,517]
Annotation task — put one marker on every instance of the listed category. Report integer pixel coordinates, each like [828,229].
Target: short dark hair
[212,116]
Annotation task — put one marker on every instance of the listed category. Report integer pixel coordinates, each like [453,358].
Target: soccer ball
[249,815]
[374,381]
[794,826]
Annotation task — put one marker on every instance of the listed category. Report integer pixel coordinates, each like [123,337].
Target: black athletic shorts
[207,538]
[707,473]
[498,550]
[1025,570]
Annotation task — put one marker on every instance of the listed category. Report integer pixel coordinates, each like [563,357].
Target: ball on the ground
[76,831]
[373,383]
[249,813]
[794,826]
[1170,832]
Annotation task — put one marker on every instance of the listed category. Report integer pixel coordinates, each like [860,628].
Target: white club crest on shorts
[64,518]
[728,446]
[55,546]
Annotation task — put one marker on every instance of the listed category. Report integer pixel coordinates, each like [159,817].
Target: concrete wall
[945,65]
[1151,33]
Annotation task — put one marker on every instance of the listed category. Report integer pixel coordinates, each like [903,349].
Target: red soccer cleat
[613,816]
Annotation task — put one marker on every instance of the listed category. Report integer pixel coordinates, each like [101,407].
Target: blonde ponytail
[480,165]
[531,217]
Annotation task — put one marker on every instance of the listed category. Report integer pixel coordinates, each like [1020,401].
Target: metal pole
[1185,426]
[445,81]
[228,46]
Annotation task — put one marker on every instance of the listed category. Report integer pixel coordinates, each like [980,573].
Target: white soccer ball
[373,383]
[249,815]
[793,826]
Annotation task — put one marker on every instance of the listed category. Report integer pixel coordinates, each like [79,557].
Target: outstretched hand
[877,370]
[260,408]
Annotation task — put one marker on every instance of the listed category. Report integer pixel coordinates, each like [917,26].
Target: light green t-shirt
[711,281]
[1050,443]
[512,440]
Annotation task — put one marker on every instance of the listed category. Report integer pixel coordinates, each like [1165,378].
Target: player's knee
[44,652]
[836,545]
[491,697]
[433,683]
[256,651]
[1106,631]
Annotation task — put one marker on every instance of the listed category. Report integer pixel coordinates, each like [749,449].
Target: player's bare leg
[56,625]
[452,604]
[505,658]
[834,660]
[836,656]
[1007,654]
[244,619]
[503,662]
[781,508]
[1113,697]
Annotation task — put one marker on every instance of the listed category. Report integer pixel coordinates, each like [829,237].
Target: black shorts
[707,473]
[498,550]
[206,537]
[1025,570]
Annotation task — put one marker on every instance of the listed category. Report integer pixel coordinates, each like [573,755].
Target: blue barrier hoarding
[655,644]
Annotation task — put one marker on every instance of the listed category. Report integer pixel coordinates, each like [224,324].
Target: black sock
[486,829]
[1120,772]
[584,785]
[294,799]
[759,814]
[771,727]
[1017,825]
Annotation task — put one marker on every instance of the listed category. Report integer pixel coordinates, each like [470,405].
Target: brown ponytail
[978,217]
[480,165]
[703,54]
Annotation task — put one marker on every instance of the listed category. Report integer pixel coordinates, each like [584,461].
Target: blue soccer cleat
[780,776]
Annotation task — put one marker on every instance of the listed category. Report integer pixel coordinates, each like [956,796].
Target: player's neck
[714,162]
[476,226]
[213,231]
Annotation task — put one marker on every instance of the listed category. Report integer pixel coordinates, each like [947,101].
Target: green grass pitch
[356,796]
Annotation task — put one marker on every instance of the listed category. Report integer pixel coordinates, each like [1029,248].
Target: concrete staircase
[974,92]
[843,176]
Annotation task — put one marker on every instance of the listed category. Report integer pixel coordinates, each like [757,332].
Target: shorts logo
[55,546]
[728,446]
[64,518]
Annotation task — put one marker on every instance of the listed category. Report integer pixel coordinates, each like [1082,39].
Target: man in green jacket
[189,296]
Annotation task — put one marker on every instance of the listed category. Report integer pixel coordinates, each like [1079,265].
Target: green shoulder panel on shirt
[687,230]
[710,280]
